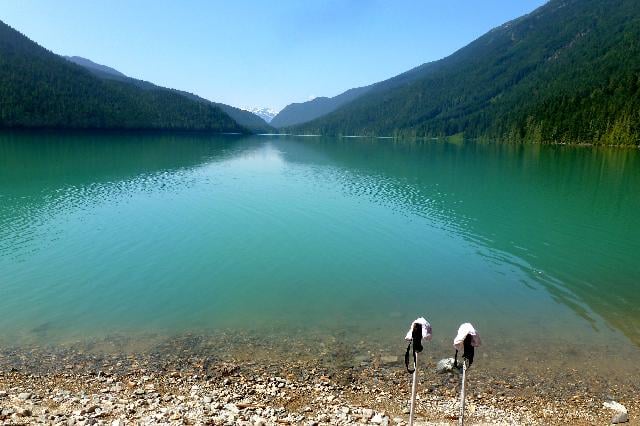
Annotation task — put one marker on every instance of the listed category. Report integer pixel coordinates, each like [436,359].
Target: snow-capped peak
[266,114]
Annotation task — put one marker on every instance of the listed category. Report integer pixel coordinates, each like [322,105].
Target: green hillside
[298,113]
[243,118]
[302,112]
[39,89]
[569,72]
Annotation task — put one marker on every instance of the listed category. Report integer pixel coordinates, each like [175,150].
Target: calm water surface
[105,234]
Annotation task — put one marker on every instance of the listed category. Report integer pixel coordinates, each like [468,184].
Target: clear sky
[259,53]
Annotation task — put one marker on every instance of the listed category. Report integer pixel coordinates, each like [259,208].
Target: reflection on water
[563,215]
[104,233]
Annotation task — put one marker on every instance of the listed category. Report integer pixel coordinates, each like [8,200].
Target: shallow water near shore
[319,238]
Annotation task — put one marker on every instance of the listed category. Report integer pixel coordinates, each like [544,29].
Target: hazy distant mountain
[39,89]
[266,114]
[246,119]
[567,72]
[298,113]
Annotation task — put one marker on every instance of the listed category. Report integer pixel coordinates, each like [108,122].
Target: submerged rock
[446,365]
[389,359]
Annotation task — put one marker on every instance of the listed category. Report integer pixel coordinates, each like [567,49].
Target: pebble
[232,408]
[199,388]
[24,412]
[376,419]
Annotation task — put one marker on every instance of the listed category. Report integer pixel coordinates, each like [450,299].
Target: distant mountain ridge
[567,72]
[297,113]
[39,89]
[245,118]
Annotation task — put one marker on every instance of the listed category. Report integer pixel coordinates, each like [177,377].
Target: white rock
[232,408]
[377,419]
[615,406]
[445,366]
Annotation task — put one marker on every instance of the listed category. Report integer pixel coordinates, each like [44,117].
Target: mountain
[266,114]
[39,89]
[568,72]
[246,119]
[297,113]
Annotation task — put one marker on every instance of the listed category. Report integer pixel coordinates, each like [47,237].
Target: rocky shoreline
[192,380]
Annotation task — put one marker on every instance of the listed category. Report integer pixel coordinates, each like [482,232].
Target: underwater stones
[388,359]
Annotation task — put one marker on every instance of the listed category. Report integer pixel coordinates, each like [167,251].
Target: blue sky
[259,53]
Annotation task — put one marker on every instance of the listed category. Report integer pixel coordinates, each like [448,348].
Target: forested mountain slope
[242,117]
[567,72]
[39,89]
[298,113]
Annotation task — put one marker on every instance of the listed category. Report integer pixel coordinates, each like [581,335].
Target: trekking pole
[464,374]
[466,340]
[420,329]
[413,389]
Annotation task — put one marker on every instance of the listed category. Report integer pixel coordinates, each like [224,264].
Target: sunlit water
[103,234]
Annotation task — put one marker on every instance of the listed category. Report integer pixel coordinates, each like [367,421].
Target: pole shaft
[464,377]
[413,389]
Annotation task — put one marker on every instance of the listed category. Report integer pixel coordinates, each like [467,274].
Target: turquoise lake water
[137,233]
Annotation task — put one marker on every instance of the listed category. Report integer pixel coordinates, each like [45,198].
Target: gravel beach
[225,380]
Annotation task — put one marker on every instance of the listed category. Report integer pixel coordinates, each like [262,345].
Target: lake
[152,234]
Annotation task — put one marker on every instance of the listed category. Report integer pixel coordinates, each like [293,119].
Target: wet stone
[621,417]
[445,366]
